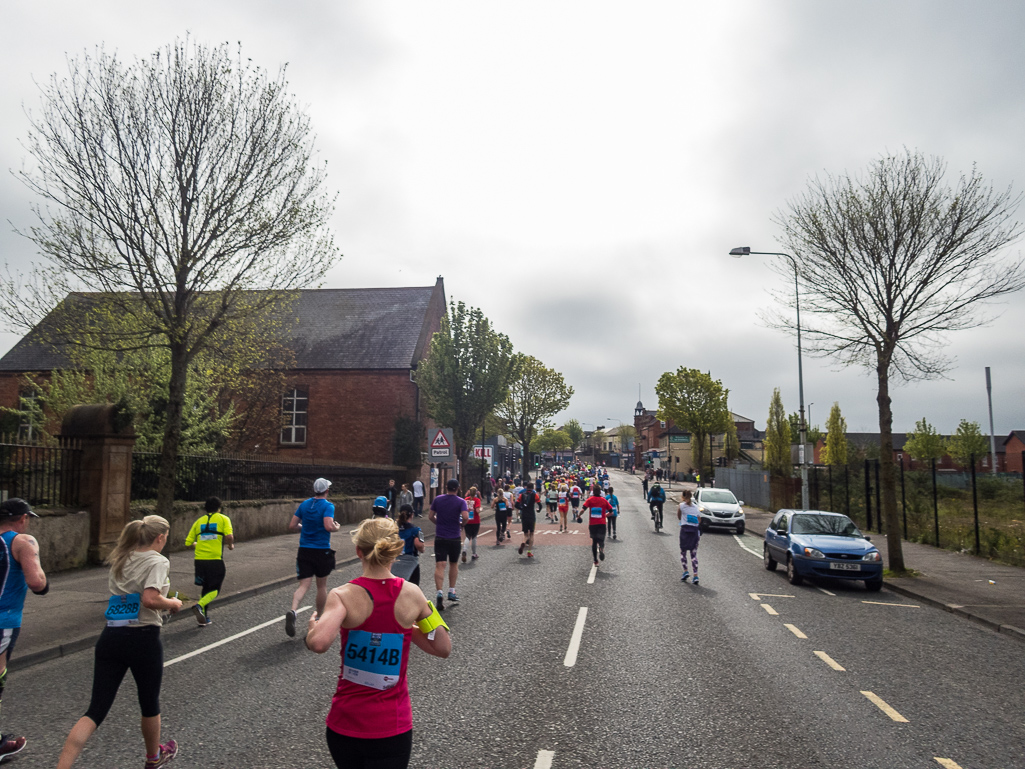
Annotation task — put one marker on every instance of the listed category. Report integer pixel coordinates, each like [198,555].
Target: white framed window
[294,411]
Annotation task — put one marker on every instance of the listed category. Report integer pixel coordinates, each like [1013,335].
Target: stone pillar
[105,487]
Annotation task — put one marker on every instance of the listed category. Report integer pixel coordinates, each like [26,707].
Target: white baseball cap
[321,485]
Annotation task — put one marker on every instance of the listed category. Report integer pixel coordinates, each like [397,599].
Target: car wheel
[874,585]
[740,528]
[768,560]
[792,575]
[703,525]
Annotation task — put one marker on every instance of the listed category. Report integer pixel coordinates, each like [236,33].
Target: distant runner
[613,517]
[690,533]
[501,505]
[596,508]
[315,520]
[527,502]
[448,513]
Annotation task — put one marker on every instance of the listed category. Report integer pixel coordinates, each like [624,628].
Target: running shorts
[529,522]
[314,562]
[210,574]
[597,532]
[8,638]
[575,503]
[447,549]
[471,530]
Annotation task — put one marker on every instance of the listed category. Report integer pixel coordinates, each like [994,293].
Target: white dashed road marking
[769,610]
[879,703]
[947,763]
[760,596]
[793,629]
[574,641]
[231,638]
[544,759]
[831,662]
[905,605]
[825,591]
[592,575]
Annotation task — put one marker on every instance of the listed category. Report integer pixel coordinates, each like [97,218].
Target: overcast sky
[580,170]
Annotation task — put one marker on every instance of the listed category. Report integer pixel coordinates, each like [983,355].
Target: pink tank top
[372,699]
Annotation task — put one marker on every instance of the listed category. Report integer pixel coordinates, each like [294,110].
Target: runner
[370,723]
[472,527]
[613,517]
[574,499]
[315,521]
[597,508]
[563,508]
[20,571]
[527,502]
[209,534]
[690,533]
[644,485]
[501,505]
[553,503]
[656,498]
[407,565]
[380,508]
[448,513]
[138,584]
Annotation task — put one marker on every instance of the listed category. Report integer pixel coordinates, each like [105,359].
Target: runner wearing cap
[314,519]
[19,571]
[380,509]
[448,514]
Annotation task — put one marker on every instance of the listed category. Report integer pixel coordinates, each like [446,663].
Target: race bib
[692,519]
[596,512]
[501,506]
[123,610]
[373,659]
[208,531]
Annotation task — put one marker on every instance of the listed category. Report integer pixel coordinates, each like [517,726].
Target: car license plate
[845,566]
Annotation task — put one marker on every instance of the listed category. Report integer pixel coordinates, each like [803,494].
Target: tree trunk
[172,430]
[888,479]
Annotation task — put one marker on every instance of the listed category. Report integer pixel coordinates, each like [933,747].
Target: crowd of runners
[378,616]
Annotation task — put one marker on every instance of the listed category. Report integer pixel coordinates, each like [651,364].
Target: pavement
[70,617]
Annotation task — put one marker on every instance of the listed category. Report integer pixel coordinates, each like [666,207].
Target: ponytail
[379,541]
[135,534]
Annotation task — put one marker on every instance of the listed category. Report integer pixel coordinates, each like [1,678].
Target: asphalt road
[666,674]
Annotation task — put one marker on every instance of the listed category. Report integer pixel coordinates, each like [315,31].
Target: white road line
[879,703]
[485,532]
[592,575]
[760,596]
[231,638]
[825,591]
[770,610]
[831,662]
[574,641]
[905,605]
[793,629]
[544,759]
[947,763]
[745,547]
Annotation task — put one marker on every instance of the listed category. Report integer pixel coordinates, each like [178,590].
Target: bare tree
[888,264]
[172,187]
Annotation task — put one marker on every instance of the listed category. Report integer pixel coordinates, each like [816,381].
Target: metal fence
[231,477]
[750,485]
[41,475]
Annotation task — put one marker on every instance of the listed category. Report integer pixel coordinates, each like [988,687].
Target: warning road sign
[441,444]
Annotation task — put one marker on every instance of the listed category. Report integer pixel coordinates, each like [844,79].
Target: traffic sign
[441,443]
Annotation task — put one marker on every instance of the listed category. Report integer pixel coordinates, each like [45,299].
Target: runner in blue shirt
[314,519]
[613,517]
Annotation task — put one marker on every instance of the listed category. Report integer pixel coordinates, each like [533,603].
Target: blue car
[813,543]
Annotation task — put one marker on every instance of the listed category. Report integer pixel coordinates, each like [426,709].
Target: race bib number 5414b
[373,659]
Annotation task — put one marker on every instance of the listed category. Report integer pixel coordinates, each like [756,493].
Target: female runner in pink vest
[377,615]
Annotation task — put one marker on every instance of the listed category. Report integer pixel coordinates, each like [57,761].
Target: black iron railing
[41,475]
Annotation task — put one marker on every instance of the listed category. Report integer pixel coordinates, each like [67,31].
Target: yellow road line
[830,661]
[879,703]
[793,629]
[881,603]
[947,763]
[770,610]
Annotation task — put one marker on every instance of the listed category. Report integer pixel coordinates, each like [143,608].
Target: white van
[718,507]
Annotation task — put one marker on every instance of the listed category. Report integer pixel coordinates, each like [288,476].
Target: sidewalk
[70,617]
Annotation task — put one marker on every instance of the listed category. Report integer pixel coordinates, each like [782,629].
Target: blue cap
[381,502]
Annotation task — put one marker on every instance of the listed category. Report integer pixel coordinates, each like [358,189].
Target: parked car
[814,543]
[718,507]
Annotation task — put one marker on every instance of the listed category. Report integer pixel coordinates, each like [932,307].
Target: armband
[45,590]
[431,622]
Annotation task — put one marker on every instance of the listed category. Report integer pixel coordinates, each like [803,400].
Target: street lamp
[745,251]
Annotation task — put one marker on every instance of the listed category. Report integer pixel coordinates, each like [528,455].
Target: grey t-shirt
[146,569]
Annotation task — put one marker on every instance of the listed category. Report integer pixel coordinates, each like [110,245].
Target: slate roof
[337,329]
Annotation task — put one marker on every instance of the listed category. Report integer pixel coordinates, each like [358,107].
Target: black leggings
[119,650]
[597,539]
[383,753]
[612,524]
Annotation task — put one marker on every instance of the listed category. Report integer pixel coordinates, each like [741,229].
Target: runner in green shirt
[210,534]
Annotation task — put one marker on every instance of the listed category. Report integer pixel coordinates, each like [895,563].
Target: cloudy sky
[580,170]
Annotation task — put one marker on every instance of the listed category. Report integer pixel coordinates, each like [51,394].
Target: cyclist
[656,499]
[378,616]
[596,508]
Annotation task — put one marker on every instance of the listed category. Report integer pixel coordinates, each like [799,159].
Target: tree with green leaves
[967,443]
[777,438]
[835,452]
[888,263]
[575,432]
[171,188]
[925,444]
[731,442]
[536,394]
[696,403]
[813,433]
[466,374]
[553,440]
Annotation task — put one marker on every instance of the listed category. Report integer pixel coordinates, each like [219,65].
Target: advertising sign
[482,452]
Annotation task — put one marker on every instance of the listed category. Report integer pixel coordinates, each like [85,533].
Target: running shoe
[290,618]
[601,554]
[685,577]
[439,602]
[474,557]
[464,556]
[166,755]
[11,745]
[523,546]
[452,597]
[201,619]
[613,536]
[695,579]
[596,564]
[530,554]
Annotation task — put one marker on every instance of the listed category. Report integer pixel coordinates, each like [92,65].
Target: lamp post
[745,251]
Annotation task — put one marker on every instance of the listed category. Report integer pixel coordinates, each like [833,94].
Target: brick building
[355,352]
[1014,451]
[670,446]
